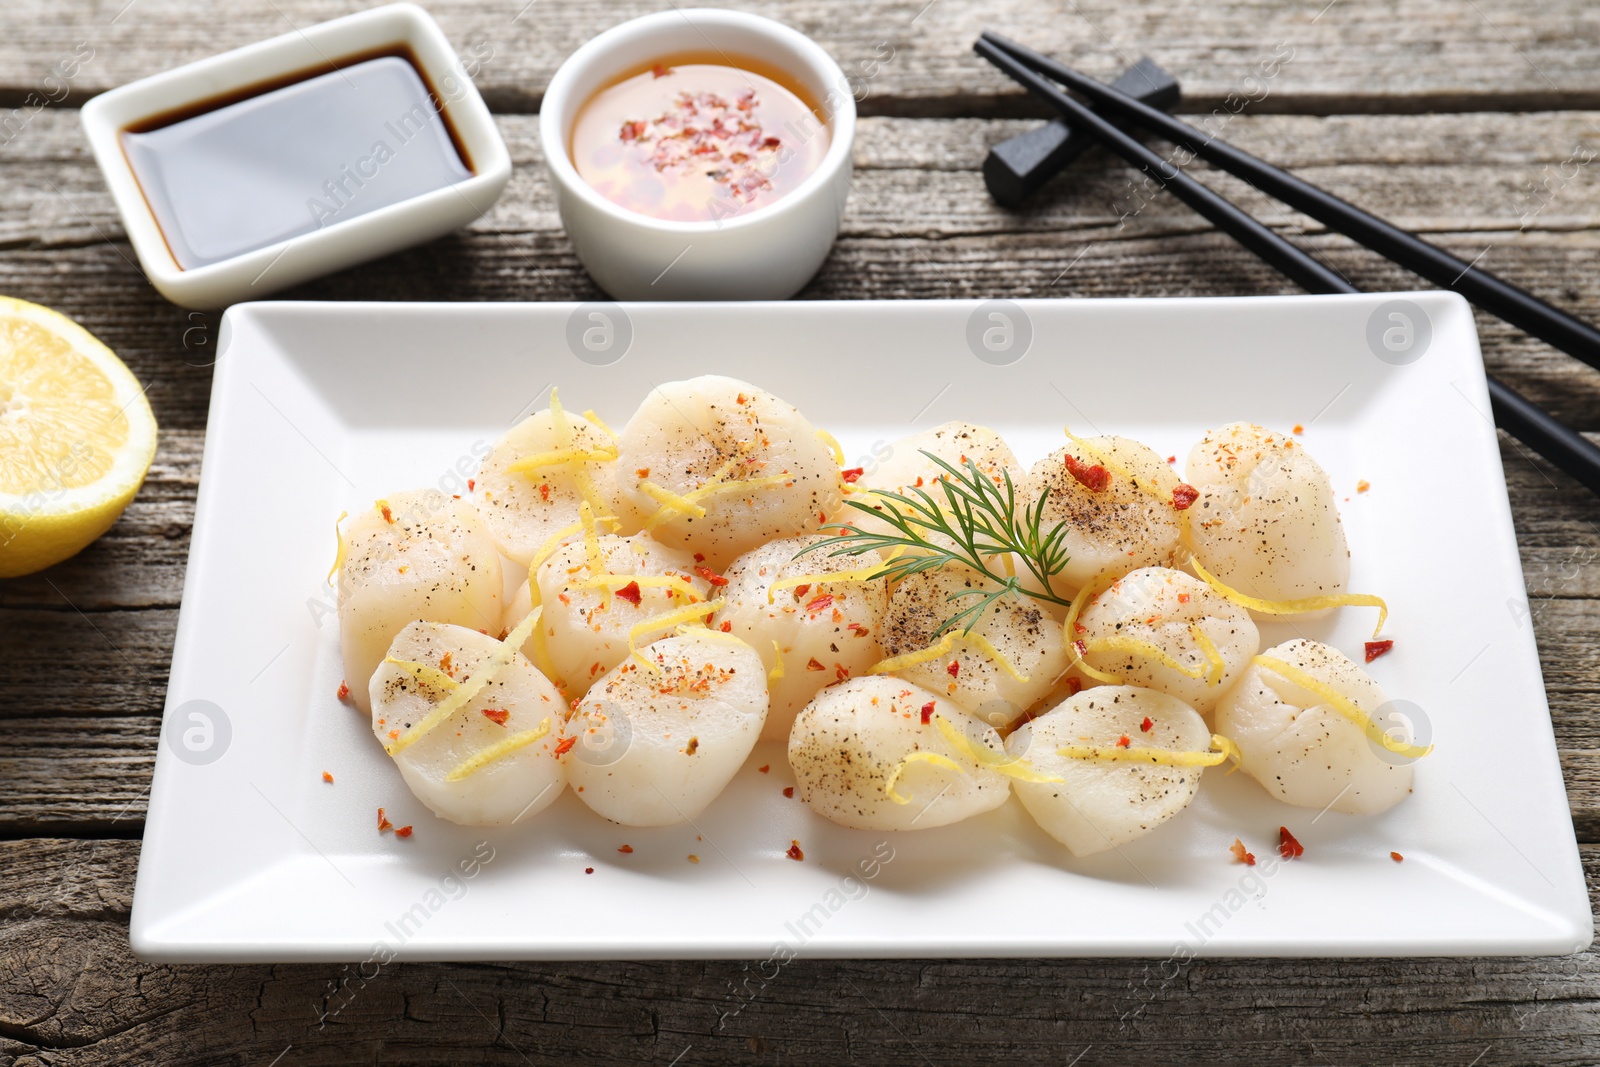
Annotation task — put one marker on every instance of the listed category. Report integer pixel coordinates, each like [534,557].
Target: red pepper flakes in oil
[1288,847]
[927,713]
[1378,648]
[630,593]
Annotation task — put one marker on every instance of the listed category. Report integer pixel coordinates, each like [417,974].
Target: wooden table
[1470,120]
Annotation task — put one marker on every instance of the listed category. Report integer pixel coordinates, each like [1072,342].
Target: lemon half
[76,437]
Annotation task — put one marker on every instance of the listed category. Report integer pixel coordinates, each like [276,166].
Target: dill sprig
[976,521]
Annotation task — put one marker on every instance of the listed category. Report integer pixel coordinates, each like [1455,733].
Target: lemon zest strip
[833,445]
[942,648]
[934,758]
[1167,757]
[598,421]
[985,757]
[667,619]
[580,473]
[560,456]
[1293,607]
[464,693]
[499,749]
[860,574]
[777,670]
[669,502]
[425,674]
[338,559]
[591,551]
[1343,705]
[1145,650]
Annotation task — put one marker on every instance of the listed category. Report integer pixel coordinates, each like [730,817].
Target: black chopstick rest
[1015,168]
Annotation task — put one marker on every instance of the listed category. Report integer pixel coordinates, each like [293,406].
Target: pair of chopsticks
[1515,413]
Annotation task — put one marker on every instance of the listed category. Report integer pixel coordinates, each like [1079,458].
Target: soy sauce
[279,161]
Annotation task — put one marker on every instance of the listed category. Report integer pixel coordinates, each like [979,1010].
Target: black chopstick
[1493,294]
[1518,416]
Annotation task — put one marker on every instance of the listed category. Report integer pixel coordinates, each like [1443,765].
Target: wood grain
[914,56]
[71,992]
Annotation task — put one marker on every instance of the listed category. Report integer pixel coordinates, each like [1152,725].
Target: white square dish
[282,62]
[319,408]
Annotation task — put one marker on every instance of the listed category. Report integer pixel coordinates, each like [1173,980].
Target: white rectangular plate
[320,408]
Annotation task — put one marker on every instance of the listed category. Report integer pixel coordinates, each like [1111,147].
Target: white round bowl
[766,254]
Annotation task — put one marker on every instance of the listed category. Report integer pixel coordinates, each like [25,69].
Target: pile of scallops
[626,614]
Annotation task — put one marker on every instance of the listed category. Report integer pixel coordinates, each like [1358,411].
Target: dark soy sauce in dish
[284,159]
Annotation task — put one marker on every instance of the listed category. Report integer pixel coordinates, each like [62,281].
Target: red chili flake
[788,791]
[711,576]
[1183,495]
[625,849]
[1183,598]
[1363,485]
[630,593]
[472,483]
[1377,648]
[383,822]
[726,627]
[1144,727]
[388,516]
[813,665]
[793,851]
[344,690]
[1239,853]
[927,713]
[498,716]
[1074,686]
[588,870]
[660,71]
[821,602]
[565,745]
[446,663]
[326,777]
[544,491]
[764,768]
[852,474]
[1298,428]
[859,630]
[693,746]
[822,517]
[699,557]
[1172,459]
[841,672]
[631,131]
[741,400]
[1396,857]
[801,590]
[1288,847]
[404,831]
[1124,742]
[954,669]
[1081,648]
[1095,478]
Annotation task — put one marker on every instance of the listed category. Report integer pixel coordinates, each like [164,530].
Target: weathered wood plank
[72,993]
[914,57]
